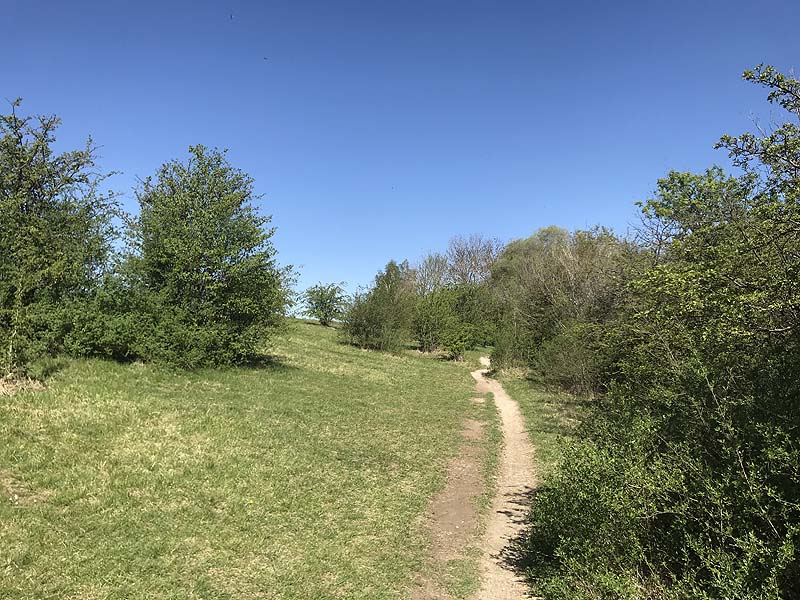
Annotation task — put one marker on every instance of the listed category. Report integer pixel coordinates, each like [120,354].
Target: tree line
[191,280]
[684,337]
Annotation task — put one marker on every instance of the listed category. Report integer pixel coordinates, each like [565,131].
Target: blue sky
[378,130]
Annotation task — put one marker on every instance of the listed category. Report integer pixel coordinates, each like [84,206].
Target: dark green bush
[55,237]
[688,483]
[203,268]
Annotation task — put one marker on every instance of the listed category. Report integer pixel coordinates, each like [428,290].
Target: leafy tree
[431,273]
[433,314]
[55,237]
[555,291]
[453,319]
[325,303]
[204,264]
[380,318]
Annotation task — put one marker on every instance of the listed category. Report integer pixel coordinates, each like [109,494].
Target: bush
[688,485]
[458,337]
[55,237]
[380,318]
[208,289]
[325,302]
[433,313]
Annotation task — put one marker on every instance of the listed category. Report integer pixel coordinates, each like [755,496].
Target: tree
[380,318]
[204,263]
[555,290]
[55,236]
[325,303]
[431,273]
[470,259]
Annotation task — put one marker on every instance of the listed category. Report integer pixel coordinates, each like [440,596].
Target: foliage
[433,313]
[554,290]
[688,484]
[203,265]
[55,237]
[448,319]
[431,273]
[469,259]
[381,317]
[325,302]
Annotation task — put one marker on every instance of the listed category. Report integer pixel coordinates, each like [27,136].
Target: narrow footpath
[500,579]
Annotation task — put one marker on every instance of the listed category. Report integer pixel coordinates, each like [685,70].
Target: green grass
[307,478]
[550,418]
[461,576]
[472,357]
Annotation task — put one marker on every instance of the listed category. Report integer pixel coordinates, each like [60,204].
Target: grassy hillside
[305,478]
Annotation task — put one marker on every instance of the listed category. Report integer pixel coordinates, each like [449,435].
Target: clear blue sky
[378,129]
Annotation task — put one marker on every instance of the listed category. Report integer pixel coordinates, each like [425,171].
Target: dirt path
[515,485]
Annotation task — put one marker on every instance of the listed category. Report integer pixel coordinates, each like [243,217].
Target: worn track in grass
[500,579]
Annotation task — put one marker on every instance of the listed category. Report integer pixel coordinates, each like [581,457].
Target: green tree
[55,237]
[204,264]
[433,314]
[454,319]
[380,318]
[325,302]
[555,291]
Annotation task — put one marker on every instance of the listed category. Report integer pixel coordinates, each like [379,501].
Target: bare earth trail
[515,485]
[453,515]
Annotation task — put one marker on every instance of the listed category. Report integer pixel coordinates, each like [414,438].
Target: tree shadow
[267,362]
[515,556]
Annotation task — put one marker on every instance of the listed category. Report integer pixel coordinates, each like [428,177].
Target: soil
[452,518]
[500,576]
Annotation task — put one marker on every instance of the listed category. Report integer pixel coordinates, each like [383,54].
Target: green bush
[203,272]
[381,317]
[55,237]
[458,337]
[688,483]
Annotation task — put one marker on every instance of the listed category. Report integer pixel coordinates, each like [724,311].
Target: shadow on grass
[262,362]
[43,369]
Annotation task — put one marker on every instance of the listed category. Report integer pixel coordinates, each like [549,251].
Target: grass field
[306,478]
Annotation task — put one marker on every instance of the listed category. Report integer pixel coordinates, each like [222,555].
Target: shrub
[325,302]
[203,265]
[380,318]
[55,237]
[688,485]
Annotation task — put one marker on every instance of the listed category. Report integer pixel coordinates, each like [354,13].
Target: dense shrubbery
[555,291]
[55,238]
[380,318]
[199,285]
[451,319]
[688,481]
[442,304]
